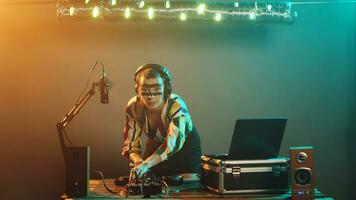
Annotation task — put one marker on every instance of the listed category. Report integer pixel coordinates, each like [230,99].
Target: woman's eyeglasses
[151,91]
[151,94]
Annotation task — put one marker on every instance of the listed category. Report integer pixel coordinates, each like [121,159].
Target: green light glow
[252,16]
[218,17]
[168,5]
[183,17]
[201,9]
[142,4]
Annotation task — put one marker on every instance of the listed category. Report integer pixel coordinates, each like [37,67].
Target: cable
[103,180]
[65,134]
[87,83]
[167,187]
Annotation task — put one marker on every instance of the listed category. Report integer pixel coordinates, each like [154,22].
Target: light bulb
[168,5]
[183,16]
[113,2]
[252,15]
[201,8]
[142,4]
[71,11]
[96,12]
[127,13]
[150,13]
[218,17]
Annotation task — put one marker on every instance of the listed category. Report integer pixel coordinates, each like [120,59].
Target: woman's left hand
[142,169]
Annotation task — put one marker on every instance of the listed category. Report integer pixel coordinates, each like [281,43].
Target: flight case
[225,176]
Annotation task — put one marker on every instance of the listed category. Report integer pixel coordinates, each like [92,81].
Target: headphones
[163,71]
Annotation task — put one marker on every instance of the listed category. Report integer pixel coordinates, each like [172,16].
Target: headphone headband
[159,68]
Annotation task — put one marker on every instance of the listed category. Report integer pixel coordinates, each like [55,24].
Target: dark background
[304,72]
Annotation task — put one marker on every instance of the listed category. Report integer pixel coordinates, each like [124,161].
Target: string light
[299,2]
[212,10]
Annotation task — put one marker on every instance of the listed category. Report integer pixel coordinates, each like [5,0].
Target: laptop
[255,139]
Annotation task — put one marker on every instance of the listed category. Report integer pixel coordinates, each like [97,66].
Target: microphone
[104,85]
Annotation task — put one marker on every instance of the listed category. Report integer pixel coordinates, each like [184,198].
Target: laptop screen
[256,138]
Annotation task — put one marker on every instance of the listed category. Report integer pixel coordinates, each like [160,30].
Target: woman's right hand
[142,169]
[136,159]
[138,162]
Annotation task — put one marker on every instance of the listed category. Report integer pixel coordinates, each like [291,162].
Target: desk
[186,191]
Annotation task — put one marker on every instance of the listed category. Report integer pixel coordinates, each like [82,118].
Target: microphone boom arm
[72,113]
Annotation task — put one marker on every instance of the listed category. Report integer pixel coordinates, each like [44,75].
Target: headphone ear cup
[136,88]
[167,87]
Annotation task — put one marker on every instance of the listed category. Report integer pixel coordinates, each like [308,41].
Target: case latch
[236,171]
[276,170]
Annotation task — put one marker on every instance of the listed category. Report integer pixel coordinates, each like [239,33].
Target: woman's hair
[149,73]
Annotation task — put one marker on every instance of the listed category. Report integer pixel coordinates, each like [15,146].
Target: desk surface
[186,191]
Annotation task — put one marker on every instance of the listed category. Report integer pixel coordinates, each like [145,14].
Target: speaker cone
[303,176]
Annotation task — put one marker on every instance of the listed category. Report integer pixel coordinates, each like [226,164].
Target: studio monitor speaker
[76,171]
[302,174]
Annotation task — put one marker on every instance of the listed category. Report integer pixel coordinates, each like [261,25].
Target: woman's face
[151,91]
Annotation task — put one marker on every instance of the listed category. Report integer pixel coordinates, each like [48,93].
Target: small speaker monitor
[302,175]
[76,171]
